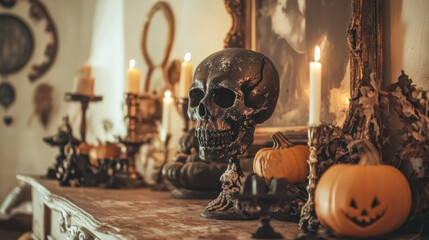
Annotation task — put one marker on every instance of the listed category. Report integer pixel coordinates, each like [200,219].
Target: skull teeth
[215,139]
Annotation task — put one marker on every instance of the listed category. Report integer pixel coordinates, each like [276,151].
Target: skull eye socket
[223,97]
[375,203]
[353,204]
[195,96]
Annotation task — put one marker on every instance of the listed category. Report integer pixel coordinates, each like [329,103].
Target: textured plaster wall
[106,34]
[201,27]
[21,146]
[406,40]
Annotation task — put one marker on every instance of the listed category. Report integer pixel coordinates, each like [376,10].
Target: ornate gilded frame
[364,38]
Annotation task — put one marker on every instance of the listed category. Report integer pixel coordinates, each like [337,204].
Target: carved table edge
[67,208]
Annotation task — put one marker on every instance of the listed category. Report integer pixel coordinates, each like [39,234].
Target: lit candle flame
[167,94]
[132,63]
[317,54]
[167,97]
[187,57]
[346,100]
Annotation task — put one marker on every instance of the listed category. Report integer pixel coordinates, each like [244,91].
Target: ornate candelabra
[84,102]
[131,178]
[309,221]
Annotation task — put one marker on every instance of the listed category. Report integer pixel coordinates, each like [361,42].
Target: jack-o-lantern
[364,200]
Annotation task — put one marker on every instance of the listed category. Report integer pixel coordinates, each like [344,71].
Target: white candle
[133,77]
[315,88]
[84,83]
[185,76]
[166,115]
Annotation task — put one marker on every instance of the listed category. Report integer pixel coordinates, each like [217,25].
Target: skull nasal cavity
[202,110]
[364,213]
[224,97]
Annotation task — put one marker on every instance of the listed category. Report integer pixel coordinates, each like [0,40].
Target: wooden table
[61,212]
[98,213]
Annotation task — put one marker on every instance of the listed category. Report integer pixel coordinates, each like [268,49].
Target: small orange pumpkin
[108,150]
[364,200]
[283,161]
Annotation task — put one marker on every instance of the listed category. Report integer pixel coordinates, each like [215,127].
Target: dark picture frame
[362,36]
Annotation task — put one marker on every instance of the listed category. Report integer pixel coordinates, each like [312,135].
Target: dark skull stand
[232,91]
[231,180]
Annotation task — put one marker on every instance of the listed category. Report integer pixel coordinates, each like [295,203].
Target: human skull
[232,91]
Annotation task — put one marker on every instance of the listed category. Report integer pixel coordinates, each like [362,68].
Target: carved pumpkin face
[366,215]
[362,200]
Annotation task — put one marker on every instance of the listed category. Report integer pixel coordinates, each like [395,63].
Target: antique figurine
[60,140]
[72,164]
[232,91]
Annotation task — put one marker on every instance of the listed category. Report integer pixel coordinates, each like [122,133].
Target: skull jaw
[238,147]
[213,155]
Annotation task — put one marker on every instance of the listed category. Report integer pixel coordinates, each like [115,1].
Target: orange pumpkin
[364,200]
[103,151]
[83,148]
[283,161]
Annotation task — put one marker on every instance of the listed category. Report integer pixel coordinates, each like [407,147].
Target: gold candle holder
[131,178]
[84,102]
[309,221]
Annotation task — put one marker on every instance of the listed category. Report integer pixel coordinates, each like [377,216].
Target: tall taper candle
[185,76]
[166,115]
[315,88]
[133,77]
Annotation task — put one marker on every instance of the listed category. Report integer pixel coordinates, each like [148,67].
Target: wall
[201,27]
[21,146]
[107,60]
[105,34]
[406,40]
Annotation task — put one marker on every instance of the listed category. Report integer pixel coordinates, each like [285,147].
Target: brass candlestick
[182,105]
[309,221]
[131,178]
[84,102]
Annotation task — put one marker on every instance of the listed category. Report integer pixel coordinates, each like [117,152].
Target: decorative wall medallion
[39,12]
[16,44]
[43,103]
[21,48]
[7,97]
[167,12]
[16,48]
[7,94]
[8,3]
